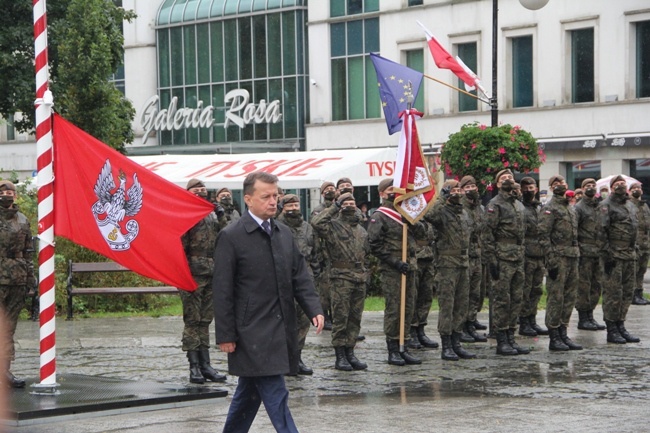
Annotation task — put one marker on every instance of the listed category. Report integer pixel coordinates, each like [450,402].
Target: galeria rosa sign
[240,112]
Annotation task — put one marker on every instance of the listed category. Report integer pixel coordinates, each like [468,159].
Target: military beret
[7,185]
[579,191]
[527,181]
[570,193]
[451,183]
[325,185]
[555,178]
[345,197]
[501,173]
[343,180]
[604,188]
[224,189]
[615,179]
[385,183]
[586,181]
[636,184]
[467,180]
[290,198]
[195,183]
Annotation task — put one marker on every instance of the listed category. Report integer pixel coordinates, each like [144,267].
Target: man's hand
[228,347]
[219,210]
[318,322]
[342,198]
[402,267]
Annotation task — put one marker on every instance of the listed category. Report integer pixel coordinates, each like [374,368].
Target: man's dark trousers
[250,392]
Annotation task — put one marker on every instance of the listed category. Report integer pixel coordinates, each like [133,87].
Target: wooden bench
[77,268]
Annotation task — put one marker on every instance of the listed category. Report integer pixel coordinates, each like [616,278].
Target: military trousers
[507,293]
[391,283]
[347,299]
[618,290]
[642,266]
[561,293]
[533,282]
[198,313]
[303,323]
[425,275]
[322,283]
[453,299]
[476,288]
[590,276]
[12,301]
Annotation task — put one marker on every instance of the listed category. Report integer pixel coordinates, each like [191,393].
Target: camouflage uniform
[642,241]
[322,282]
[558,233]
[232,215]
[590,271]
[347,244]
[504,239]
[533,262]
[16,270]
[425,276]
[476,216]
[305,238]
[199,244]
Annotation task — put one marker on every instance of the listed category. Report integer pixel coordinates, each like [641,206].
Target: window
[11,130]
[522,71]
[118,79]
[354,82]
[576,172]
[339,8]
[582,65]
[415,2]
[640,170]
[643,59]
[468,54]
[415,60]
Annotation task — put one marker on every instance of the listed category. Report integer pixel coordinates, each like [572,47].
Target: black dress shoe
[304,370]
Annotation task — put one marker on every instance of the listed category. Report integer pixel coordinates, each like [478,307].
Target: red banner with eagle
[114,206]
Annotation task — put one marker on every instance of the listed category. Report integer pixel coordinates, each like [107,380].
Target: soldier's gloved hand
[609,266]
[553,272]
[219,210]
[495,270]
[402,267]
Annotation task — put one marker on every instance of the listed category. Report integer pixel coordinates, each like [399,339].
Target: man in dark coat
[259,271]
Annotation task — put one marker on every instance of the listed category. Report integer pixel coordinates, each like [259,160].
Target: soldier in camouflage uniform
[558,235]
[328,192]
[619,221]
[346,243]
[224,198]
[504,244]
[199,243]
[16,271]
[306,240]
[385,238]
[533,262]
[454,228]
[472,205]
[590,272]
[642,241]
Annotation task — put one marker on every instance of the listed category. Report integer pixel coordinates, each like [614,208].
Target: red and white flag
[413,184]
[444,60]
[116,207]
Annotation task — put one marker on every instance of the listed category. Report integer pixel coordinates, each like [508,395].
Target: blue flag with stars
[393,84]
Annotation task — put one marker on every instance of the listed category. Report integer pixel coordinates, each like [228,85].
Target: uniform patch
[490,210]
[547,212]
[372,220]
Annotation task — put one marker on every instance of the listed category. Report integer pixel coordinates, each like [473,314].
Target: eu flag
[393,82]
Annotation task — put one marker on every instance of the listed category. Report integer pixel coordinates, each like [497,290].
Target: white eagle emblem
[116,206]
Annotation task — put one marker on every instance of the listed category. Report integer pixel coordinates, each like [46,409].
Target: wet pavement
[605,387]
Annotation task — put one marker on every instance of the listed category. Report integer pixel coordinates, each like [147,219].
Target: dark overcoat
[256,279]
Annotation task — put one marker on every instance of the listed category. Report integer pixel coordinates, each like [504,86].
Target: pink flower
[489,170]
[512,138]
[467,164]
[466,156]
[502,150]
[517,128]
[536,170]
[483,181]
[525,157]
[512,132]
[473,145]
[490,187]
[506,164]
[482,127]
[515,165]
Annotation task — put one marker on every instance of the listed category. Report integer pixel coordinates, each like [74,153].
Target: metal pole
[495,37]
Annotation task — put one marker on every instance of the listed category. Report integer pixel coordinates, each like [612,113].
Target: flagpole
[402,310]
[45,179]
[458,89]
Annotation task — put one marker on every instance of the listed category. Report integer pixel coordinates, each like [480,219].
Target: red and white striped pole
[45,184]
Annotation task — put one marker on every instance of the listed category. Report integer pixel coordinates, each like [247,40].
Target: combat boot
[479,326]
[471,330]
[414,342]
[584,322]
[525,328]
[353,360]
[206,369]
[303,369]
[599,326]
[424,340]
[511,340]
[394,357]
[409,359]
[613,334]
[638,298]
[555,342]
[465,337]
[342,362]
[535,326]
[628,337]
[447,352]
[458,349]
[327,326]
[503,346]
[195,371]
[567,340]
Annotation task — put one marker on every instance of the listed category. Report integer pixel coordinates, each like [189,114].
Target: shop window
[643,59]
[576,172]
[415,60]
[522,71]
[582,65]
[468,53]
[640,170]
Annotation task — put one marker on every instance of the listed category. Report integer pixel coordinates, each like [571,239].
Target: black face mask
[528,195]
[346,190]
[202,194]
[637,193]
[6,201]
[390,197]
[559,190]
[507,185]
[472,194]
[590,192]
[620,190]
[293,214]
[454,198]
[226,201]
[349,214]
[329,195]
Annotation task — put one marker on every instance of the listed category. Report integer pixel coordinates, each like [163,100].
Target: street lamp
[528,4]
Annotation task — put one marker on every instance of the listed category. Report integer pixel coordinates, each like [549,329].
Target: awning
[295,170]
